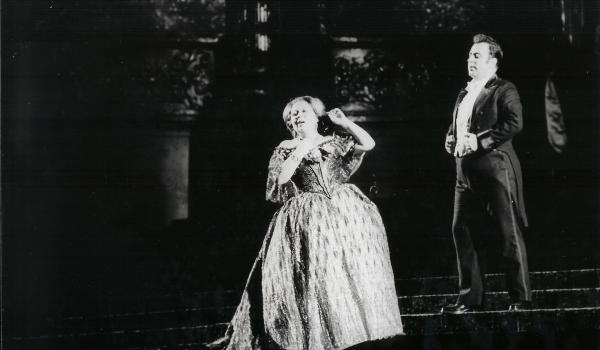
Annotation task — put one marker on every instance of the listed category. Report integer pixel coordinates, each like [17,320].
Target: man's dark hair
[495,49]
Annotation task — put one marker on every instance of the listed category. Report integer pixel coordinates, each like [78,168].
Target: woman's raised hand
[338,117]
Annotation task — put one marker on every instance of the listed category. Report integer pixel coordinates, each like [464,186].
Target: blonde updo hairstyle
[324,125]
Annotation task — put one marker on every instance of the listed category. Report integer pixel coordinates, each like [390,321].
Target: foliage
[377,17]
[180,78]
[186,17]
[429,16]
[380,80]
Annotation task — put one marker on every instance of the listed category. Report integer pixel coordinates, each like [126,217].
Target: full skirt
[322,279]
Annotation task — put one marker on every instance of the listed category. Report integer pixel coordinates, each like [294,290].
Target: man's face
[479,63]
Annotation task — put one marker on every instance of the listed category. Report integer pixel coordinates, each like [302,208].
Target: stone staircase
[564,303]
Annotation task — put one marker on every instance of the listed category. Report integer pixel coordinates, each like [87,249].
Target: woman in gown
[323,278]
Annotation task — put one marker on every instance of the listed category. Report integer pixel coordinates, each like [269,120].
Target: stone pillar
[174,171]
[179,81]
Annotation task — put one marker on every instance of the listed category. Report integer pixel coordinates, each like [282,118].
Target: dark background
[108,106]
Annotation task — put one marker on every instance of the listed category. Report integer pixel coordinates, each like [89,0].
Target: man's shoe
[459,309]
[519,306]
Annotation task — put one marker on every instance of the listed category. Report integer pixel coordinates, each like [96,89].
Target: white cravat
[465,110]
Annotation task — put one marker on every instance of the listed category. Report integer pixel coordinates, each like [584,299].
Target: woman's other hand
[338,117]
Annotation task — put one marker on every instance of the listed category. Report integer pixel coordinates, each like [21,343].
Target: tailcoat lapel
[483,96]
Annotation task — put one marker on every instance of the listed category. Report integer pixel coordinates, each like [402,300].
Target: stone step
[179,346]
[218,306]
[497,301]
[535,320]
[200,312]
[149,303]
[567,279]
[417,327]
[186,317]
[190,337]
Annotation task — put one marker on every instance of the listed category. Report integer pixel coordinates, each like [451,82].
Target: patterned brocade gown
[323,278]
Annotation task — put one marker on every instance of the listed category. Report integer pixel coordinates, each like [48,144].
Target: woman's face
[303,118]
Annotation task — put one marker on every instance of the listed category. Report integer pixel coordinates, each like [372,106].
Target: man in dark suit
[486,117]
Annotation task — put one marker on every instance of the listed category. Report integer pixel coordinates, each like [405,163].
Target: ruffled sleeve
[350,160]
[279,193]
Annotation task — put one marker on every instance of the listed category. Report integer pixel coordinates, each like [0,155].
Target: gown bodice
[321,171]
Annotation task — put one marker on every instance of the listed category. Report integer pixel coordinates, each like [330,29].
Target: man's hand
[471,142]
[466,145]
[450,143]
[487,142]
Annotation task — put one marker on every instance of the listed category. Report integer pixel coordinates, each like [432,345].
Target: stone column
[174,171]
[180,80]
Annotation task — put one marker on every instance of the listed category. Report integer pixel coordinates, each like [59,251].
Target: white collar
[478,84]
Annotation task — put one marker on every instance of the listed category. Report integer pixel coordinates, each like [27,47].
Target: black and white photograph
[300,174]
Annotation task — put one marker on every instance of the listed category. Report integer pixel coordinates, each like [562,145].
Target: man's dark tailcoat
[490,181]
